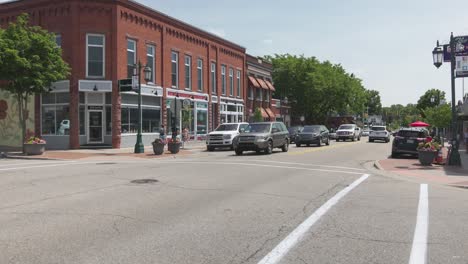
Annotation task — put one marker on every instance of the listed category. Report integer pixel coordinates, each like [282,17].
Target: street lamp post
[139,147]
[438,54]
[174,127]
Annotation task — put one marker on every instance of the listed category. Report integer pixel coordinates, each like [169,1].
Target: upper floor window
[223,79]
[58,40]
[131,57]
[231,82]
[199,74]
[213,78]
[150,62]
[188,72]
[251,93]
[95,54]
[259,94]
[267,96]
[239,86]
[175,68]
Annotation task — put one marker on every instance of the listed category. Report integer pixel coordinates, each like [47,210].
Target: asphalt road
[310,205]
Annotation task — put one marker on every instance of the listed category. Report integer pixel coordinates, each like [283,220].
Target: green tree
[29,62]
[431,98]
[257,117]
[373,103]
[439,116]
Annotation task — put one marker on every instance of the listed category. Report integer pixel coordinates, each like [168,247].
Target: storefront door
[95,126]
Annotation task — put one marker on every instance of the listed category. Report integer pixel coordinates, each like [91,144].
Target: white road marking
[295,236]
[256,165]
[304,164]
[419,249]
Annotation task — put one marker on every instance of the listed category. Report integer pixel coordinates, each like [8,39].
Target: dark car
[293,131]
[316,134]
[407,139]
[262,136]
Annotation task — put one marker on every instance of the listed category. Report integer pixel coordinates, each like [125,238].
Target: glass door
[95,127]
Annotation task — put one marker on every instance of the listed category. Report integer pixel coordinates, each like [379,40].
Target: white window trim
[189,65]
[200,78]
[153,73]
[239,86]
[103,55]
[223,79]
[176,61]
[213,78]
[134,53]
[231,81]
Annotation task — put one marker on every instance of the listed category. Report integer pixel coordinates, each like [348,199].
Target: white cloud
[218,32]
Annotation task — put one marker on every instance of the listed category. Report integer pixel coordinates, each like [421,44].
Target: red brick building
[260,88]
[102,40]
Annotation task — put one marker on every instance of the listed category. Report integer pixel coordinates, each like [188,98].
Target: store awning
[264,113]
[262,83]
[270,85]
[270,113]
[253,82]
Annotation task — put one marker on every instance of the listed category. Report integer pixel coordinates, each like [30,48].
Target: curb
[378,166]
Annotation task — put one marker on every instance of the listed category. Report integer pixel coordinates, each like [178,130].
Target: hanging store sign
[461,48]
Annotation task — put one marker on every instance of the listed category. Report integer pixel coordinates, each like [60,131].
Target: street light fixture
[437,55]
[174,121]
[139,147]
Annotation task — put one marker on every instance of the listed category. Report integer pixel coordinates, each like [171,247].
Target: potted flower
[173,145]
[34,146]
[158,146]
[427,151]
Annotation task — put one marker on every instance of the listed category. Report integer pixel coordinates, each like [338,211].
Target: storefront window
[55,114]
[151,114]
[151,120]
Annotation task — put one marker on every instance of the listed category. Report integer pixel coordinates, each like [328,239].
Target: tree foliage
[29,62]
[431,98]
[257,115]
[439,116]
[317,89]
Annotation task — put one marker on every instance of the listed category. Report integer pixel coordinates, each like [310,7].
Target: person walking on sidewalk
[185,136]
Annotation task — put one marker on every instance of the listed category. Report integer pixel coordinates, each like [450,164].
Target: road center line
[419,249]
[295,236]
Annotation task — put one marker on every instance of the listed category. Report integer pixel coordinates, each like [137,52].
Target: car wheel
[238,152]
[298,145]
[210,148]
[371,140]
[319,143]
[269,148]
[359,138]
[394,155]
[285,146]
[353,138]
[328,142]
[232,147]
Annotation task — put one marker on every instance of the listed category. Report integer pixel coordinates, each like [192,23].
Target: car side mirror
[274,130]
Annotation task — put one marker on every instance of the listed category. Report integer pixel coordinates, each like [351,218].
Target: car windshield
[258,128]
[314,129]
[294,129]
[227,127]
[411,133]
[346,127]
[378,128]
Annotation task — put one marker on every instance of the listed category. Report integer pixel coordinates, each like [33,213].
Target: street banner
[461,48]
[461,68]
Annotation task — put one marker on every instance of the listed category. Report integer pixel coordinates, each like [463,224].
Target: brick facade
[118,21]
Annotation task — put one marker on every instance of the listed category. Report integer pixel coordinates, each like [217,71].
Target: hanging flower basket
[427,152]
[34,146]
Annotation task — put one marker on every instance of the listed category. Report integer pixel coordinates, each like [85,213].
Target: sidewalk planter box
[34,149]
[426,157]
[158,148]
[173,147]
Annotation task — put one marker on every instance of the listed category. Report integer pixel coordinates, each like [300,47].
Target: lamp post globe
[438,55]
[147,71]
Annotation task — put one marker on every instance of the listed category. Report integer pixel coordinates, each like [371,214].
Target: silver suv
[262,137]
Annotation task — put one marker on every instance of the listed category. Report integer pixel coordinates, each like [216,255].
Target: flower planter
[426,157]
[158,148]
[173,147]
[34,149]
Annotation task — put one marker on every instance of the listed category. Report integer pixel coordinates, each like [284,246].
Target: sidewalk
[442,174]
[106,154]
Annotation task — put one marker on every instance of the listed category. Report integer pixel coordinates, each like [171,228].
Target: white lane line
[295,236]
[255,165]
[304,164]
[419,249]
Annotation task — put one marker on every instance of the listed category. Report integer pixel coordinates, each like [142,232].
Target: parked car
[224,135]
[379,133]
[293,131]
[365,132]
[332,133]
[348,131]
[263,136]
[316,134]
[407,139]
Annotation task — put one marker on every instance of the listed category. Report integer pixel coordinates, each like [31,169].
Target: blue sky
[387,44]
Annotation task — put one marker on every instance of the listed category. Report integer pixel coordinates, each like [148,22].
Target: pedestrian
[185,135]
[162,132]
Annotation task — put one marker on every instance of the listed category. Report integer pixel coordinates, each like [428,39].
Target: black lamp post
[139,147]
[174,127]
[438,56]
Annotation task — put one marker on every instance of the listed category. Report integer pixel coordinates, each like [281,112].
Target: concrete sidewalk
[442,174]
[106,153]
